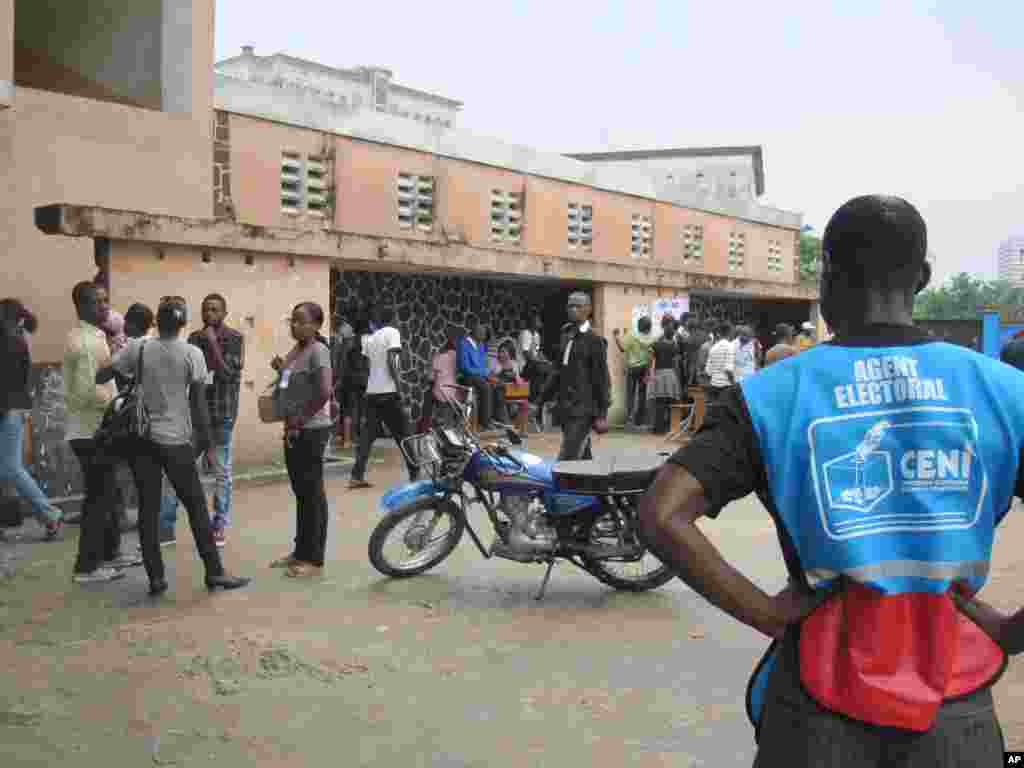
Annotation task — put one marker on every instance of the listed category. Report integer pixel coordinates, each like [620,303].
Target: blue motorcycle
[581,511]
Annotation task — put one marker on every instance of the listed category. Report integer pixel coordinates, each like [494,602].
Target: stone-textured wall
[735,310]
[429,309]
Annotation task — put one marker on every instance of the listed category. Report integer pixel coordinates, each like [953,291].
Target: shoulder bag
[127,418]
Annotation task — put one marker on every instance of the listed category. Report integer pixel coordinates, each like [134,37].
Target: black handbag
[126,419]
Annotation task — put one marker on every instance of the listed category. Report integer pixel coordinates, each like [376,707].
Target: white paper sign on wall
[674,306]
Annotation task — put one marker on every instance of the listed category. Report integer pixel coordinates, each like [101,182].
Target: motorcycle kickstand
[544,583]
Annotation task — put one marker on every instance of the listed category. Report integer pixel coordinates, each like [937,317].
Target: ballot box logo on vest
[911,469]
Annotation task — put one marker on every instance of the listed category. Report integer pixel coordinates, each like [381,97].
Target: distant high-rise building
[1011,260]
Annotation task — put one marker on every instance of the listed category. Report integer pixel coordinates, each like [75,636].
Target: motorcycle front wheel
[415,538]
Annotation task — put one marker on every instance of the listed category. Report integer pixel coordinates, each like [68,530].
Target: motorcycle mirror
[513,436]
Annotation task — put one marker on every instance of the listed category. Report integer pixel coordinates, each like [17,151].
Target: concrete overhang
[355,250]
[6,94]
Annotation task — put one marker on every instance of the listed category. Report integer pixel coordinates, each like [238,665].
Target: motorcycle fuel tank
[519,472]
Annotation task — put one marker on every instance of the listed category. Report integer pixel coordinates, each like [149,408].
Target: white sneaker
[124,560]
[103,573]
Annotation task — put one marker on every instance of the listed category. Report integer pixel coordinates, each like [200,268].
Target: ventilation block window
[643,233]
[774,256]
[291,183]
[416,202]
[737,251]
[581,227]
[693,244]
[506,216]
[316,186]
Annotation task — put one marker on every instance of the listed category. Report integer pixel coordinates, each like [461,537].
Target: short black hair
[384,315]
[216,297]
[644,324]
[139,315]
[784,331]
[171,314]
[79,292]
[725,328]
[877,240]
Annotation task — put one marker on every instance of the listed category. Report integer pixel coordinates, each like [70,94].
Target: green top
[638,350]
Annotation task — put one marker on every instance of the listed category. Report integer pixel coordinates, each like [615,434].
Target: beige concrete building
[186,181]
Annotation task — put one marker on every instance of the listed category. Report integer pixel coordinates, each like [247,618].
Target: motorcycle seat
[623,473]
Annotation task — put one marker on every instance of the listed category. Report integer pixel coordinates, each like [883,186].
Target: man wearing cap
[785,345]
[806,338]
[885,478]
[581,382]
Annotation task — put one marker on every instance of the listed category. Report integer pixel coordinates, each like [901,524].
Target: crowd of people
[869,659]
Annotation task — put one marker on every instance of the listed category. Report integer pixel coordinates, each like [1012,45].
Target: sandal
[284,562]
[53,530]
[299,569]
[358,485]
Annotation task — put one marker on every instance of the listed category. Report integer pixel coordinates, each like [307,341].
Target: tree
[810,255]
[962,297]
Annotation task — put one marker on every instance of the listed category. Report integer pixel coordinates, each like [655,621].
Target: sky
[924,100]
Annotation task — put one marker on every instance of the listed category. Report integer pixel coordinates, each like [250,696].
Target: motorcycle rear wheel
[602,571]
[423,516]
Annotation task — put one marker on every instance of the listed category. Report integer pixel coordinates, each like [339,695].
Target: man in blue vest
[885,480]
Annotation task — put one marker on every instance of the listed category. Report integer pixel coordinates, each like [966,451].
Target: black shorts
[797,733]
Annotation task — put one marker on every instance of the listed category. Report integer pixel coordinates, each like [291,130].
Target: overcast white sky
[923,100]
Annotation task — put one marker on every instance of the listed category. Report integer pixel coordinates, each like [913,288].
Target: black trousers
[100,537]
[490,399]
[538,374]
[304,458]
[152,460]
[387,409]
[576,436]
[797,733]
[636,395]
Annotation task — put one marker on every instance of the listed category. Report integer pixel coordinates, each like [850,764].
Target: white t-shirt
[721,358]
[376,347]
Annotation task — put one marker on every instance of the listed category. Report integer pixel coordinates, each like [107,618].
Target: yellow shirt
[804,343]
[85,401]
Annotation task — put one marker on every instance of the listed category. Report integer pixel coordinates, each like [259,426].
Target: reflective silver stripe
[895,569]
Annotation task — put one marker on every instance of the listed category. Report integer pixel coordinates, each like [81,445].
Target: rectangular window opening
[642,237]
[415,202]
[506,216]
[581,227]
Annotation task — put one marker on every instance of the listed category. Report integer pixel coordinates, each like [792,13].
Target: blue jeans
[222,469]
[12,445]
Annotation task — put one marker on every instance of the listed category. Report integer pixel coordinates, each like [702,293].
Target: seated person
[473,368]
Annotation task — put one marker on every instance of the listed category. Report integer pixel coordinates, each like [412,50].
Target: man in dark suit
[581,382]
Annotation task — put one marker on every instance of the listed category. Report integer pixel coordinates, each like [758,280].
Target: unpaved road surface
[460,667]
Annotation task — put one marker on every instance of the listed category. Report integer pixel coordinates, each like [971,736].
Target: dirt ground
[459,667]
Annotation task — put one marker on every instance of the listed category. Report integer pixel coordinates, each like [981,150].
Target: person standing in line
[172,389]
[664,389]
[785,345]
[882,654]
[806,338]
[721,364]
[85,353]
[701,361]
[581,382]
[534,366]
[16,323]
[443,382]
[745,356]
[383,348]
[223,350]
[354,376]
[304,388]
[637,350]
[1013,352]
[341,345]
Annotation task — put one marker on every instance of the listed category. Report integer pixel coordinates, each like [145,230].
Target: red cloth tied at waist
[891,660]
